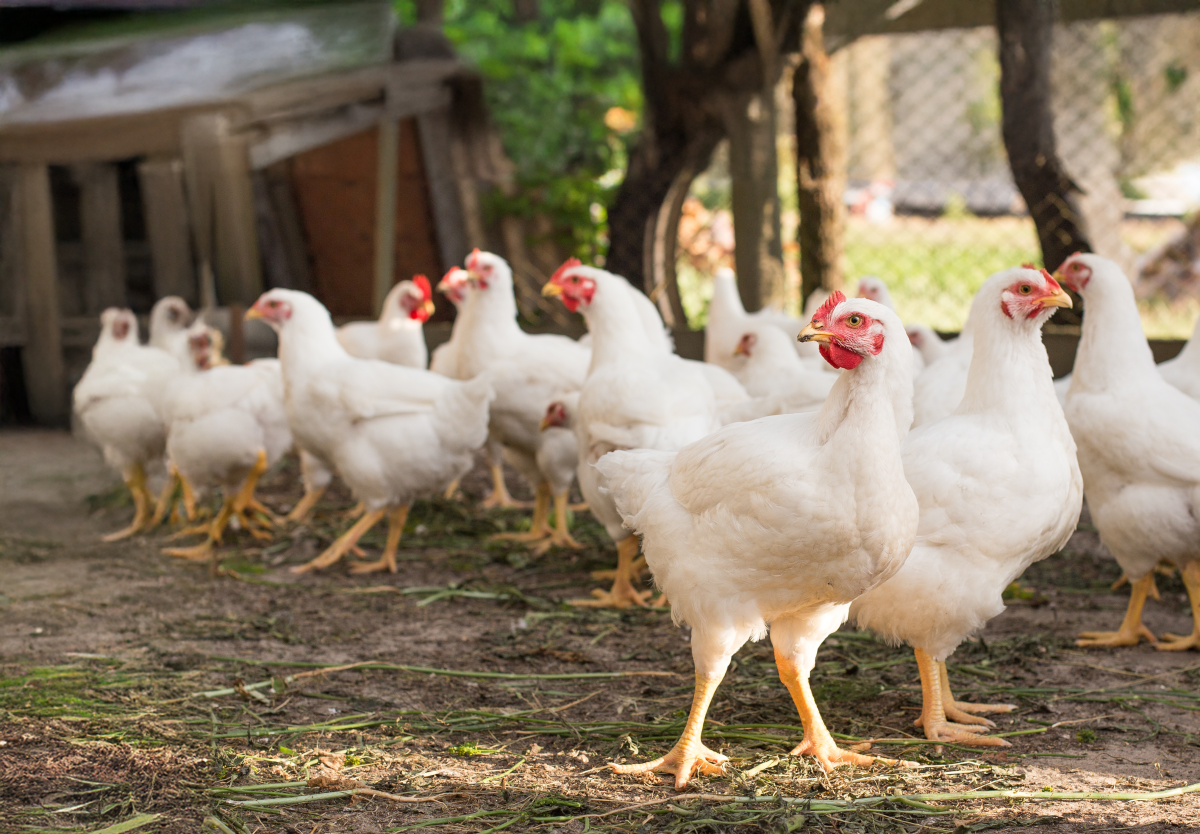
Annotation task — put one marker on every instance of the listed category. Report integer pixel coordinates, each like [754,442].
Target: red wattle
[839,357]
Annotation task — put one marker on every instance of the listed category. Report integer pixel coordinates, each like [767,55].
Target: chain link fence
[932,206]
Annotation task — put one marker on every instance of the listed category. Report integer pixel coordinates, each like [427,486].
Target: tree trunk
[820,164]
[1026,30]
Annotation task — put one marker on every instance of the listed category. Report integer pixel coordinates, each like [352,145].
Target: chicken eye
[1025,289]
[854,320]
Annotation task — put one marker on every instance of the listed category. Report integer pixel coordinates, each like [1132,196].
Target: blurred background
[212,150]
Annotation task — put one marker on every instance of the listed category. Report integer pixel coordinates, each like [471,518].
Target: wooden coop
[212,157]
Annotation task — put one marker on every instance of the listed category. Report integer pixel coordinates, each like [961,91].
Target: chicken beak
[551,290]
[813,333]
[545,424]
[427,307]
[1057,299]
[252,313]
[739,350]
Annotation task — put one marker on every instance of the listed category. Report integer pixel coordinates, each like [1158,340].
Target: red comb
[1050,282]
[835,298]
[567,266]
[1028,265]
[423,285]
[449,272]
[473,258]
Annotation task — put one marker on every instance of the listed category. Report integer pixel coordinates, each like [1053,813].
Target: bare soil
[127,688]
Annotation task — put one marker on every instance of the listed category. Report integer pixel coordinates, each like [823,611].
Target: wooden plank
[286,139]
[45,379]
[386,170]
[103,241]
[436,151]
[237,261]
[154,133]
[165,208]
[200,138]
[12,284]
[281,229]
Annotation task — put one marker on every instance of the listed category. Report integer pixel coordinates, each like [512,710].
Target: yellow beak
[545,424]
[811,333]
[1059,299]
[739,350]
[428,307]
[252,314]
[551,290]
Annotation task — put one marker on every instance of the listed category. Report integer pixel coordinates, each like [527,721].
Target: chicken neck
[1112,346]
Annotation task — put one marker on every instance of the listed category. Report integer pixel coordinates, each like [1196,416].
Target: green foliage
[1085,736]
[550,82]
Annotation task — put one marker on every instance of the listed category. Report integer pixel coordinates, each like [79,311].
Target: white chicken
[118,402]
[398,336]
[728,320]
[926,341]
[1139,448]
[392,433]
[225,427]
[999,489]
[528,370]
[636,396]
[939,388]
[766,364]
[455,285]
[782,521]
[170,318]
[1183,371]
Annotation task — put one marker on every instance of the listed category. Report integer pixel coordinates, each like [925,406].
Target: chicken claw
[622,594]
[396,521]
[1132,628]
[684,761]
[1174,642]
[938,704]
[143,503]
[829,755]
[499,497]
[961,712]
[343,544]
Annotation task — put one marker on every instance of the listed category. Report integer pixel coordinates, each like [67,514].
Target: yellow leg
[396,521]
[166,498]
[344,543]
[453,491]
[622,593]
[245,504]
[689,755]
[962,712]
[539,527]
[142,501]
[560,536]
[817,742]
[189,498]
[1174,642]
[636,569]
[1132,629]
[1123,580]
[207,549]
[302,510]
[500,497]
[933,709]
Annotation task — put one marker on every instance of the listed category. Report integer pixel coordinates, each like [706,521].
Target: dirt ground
[138,693]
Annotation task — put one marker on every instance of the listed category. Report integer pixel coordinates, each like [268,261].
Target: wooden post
[103,241]
[820,163]
[164,206]
[386,171]
[436,152]
[238,264]
[45,378]
[1026,30]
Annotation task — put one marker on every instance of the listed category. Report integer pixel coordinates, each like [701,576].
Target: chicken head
[575,290]
[272,308]
[454,285]
[845,336]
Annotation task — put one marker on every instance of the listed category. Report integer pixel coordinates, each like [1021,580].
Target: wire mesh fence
[932,206]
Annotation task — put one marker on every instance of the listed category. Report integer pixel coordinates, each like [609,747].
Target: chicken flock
[809,472]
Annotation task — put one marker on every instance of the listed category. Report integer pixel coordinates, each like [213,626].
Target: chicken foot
[560,534]
[622,594]
[1132,628]
[344,543]
[453,490]
[539,526]
[499,497]
[637,568]
[253,516]
[387,562]
[304,508]
[962,712]
[135,479]
[207,549]
[817,741]
[1174,642]
[689,756]
[935,695]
